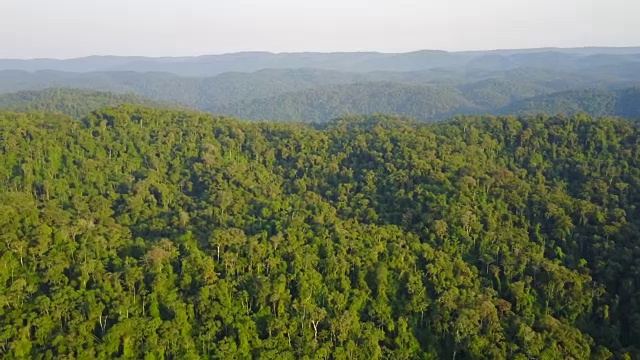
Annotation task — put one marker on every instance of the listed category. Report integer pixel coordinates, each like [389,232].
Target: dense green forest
[72,102]
[597,103]
[434,102]
[144,233]
[425,102]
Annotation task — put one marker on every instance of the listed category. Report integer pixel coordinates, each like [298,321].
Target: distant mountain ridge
[427,85]
[211,65]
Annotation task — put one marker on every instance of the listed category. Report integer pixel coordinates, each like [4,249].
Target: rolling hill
[73,102]
[312,87]
[594,102]
[148,233]
[424,102]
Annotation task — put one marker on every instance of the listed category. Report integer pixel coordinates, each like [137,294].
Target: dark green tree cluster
[73,102]
[146,233]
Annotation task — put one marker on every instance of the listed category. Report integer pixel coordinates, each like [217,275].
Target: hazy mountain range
[319,86]
[209,65]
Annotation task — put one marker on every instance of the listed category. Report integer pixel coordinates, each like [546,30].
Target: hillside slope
[423,102]
[137,232]
[73,102]
[593,102]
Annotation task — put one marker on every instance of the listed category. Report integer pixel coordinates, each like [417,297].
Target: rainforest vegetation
[135,232]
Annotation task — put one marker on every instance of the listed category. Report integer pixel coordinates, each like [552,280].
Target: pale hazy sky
[71,28]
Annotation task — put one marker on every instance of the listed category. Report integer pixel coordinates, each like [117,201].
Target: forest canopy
[136,232]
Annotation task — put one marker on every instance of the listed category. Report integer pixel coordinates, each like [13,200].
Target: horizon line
[321,52]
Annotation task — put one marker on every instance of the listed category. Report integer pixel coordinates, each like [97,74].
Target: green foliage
[589,101]
[435,101]
[146,233]
[320,95]
[424,102]
[73,102]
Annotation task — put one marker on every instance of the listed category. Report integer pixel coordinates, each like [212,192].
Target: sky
[74,28]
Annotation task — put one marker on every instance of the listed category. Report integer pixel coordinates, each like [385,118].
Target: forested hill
[316,95]
[424,102]
[144,233]
[435,102]
[73,102]
[202,92]
[624,103]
